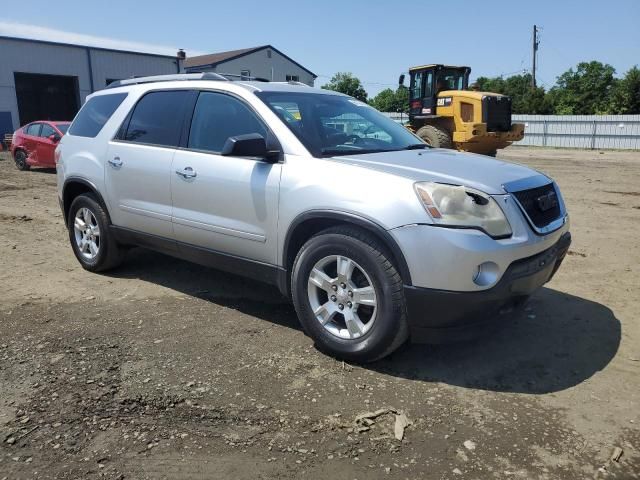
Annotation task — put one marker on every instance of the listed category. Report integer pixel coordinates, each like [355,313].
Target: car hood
[445,166]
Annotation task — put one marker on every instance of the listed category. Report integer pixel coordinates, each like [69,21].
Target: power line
[521,71]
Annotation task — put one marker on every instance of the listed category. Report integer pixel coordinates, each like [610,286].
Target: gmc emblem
[547,201]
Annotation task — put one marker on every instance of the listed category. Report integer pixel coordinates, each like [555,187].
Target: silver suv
[375,236]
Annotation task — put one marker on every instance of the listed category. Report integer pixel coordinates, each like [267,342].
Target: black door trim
[261,271]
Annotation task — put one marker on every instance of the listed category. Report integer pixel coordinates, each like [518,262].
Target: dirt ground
[164,369]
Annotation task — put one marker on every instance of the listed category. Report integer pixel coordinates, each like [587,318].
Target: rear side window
[47,130]
[94,114]
[33,129]
[157,118]
[218,117]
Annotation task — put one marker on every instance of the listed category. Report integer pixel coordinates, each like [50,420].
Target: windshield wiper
[416,146]
[339,151]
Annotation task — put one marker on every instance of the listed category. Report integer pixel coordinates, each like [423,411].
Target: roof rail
[234,76]
[295,82]
[168,78]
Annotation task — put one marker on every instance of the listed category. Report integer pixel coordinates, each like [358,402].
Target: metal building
[47,80]
[264,62]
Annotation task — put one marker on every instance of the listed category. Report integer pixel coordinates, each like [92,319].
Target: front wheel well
[306,228]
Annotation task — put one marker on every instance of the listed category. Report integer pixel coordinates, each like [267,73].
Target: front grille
[496,113]
[541,204]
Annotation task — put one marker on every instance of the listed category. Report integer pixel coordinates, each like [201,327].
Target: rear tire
[92,241]
[366,319]
[435,136]
[20,159]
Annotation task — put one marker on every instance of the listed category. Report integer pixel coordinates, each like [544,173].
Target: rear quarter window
[157,118]
[94,114]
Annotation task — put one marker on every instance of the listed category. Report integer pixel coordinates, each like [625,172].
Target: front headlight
[457,206]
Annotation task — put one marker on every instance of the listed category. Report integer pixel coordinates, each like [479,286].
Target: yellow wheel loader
[446,114]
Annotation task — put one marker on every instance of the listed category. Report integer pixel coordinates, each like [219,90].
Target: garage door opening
[46,97]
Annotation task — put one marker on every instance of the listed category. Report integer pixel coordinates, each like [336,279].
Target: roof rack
[234,76]
[169,78]
[295,82]
[220,77]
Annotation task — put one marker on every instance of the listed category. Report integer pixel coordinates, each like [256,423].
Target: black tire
[435,136]
[390,329]
[109,253]
[20,159]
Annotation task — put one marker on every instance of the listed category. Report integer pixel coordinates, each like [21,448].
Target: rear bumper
[441,315]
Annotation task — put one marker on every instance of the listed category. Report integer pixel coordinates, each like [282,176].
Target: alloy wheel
[342,297]
[87,233]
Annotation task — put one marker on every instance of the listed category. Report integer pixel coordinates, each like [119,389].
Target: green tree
[494,84]
[625,97]
[585,90]
[347,83]
[524,98]
[389,100]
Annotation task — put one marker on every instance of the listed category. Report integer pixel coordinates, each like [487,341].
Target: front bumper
[477,131]
[475,138]
[440,315]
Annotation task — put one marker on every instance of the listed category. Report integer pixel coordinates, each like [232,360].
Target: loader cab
[427,81]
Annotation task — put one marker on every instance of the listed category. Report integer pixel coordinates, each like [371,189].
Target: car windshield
[63,127]
[331,125]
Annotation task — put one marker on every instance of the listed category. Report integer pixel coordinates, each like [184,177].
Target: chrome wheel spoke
[325,313]
[320,279]
[79,224]
[354,324]
[93,248]
[365,296]
[345,268]
[86,215]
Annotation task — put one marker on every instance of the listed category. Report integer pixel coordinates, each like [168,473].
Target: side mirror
[250,145]
[401,81]
[54,137]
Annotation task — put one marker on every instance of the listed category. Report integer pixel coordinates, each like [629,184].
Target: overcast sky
[376,40]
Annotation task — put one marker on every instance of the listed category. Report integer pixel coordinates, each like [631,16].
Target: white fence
[396,116]
[581,131]
[574,131]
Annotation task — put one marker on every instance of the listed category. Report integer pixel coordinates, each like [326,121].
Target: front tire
[435,136]
[349,296]
[20,159]
[91,239]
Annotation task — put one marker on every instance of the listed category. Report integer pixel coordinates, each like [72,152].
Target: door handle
[116,162]
[187,172]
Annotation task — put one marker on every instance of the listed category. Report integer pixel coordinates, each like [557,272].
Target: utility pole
[536,42]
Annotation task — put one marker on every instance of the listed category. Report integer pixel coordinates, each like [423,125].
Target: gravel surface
[164,369]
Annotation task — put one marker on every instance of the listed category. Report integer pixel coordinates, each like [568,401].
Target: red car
[33,145]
